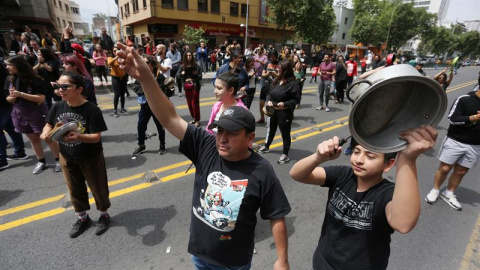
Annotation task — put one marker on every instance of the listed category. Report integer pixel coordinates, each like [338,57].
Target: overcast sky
[458,9]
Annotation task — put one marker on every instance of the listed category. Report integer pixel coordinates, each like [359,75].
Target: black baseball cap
[235,118]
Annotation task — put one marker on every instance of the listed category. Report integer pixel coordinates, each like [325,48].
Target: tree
[438,41]
[193,35]
[283,14]
[314,20]
[391,23]
[408,22]
[468,44]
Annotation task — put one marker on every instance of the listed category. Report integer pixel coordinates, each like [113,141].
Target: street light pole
[109,23]
[246,28]
[390,24]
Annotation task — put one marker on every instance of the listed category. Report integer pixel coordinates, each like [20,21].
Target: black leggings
[101,70]
[119,85]
[340,86]
[282,119]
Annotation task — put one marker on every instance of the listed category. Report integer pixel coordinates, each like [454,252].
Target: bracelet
[23,94]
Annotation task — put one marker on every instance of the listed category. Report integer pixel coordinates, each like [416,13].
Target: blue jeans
[200,264]
[17,139]
[324,88]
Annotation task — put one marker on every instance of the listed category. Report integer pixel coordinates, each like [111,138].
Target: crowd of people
[38,100]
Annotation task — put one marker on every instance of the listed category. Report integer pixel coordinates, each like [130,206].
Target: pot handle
[355,83]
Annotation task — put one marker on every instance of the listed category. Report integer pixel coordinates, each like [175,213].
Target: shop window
[203,5]
[215,6]
[167,3]
[233,9]
[182,4]
[243,11]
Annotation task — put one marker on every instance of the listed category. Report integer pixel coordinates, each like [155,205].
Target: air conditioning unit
[128,30]
[233,5]
[201,1]
[127,13]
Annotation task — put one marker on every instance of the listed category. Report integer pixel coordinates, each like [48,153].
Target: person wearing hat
[232,182]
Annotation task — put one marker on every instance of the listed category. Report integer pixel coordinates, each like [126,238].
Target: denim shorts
[454,152]
[201,264]
[30,120]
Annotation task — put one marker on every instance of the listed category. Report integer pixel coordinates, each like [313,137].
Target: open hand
[419,140]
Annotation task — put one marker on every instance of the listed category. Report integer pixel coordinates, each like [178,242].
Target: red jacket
[351,68]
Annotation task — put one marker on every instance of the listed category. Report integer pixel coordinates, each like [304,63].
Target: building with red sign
[164,21]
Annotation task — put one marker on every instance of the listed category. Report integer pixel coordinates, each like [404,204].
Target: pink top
[100,58]
[216,107]
[324,67]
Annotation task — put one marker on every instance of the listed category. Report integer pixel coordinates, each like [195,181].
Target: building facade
[472,25]
[66,13]
[19,13]
[164,21]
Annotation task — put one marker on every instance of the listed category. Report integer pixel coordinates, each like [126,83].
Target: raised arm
[307,170]
[161,107]
[403,210]
[280,236]
[440,73]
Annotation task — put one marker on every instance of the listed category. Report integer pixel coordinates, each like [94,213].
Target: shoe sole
[430,202]
[263,152]
[283,162]
[46,166]
[444,198]
[4,167]
[141,152]
[20,158]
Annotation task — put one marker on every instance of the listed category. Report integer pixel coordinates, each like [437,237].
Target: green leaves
[393,23]
[312,20]
[193,35]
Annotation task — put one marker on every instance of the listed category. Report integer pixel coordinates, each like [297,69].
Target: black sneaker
[79,227]
[140,149]
[162,151]
[103,224]
[17,156]
[115,114]
[123,111]
[4,164]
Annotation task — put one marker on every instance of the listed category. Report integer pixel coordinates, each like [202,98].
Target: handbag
[189,86]
[269,111]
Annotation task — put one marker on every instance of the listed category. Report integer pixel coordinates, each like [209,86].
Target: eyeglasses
[64,86]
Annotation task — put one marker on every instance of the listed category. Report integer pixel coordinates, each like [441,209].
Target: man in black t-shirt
[363,208]
[231,181]
[81,151]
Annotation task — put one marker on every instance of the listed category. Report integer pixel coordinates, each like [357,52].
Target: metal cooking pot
[392,100]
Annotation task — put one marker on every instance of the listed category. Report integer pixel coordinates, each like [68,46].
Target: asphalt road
[151,220]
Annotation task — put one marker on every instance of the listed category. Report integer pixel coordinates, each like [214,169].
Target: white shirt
[167,62]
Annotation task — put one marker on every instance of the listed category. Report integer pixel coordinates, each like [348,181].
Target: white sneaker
[452,201]
[327,109]
[432,196]
[58,167]
[39,167]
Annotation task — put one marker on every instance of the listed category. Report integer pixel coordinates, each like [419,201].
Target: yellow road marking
[471,257]
[141,186]
[29,205]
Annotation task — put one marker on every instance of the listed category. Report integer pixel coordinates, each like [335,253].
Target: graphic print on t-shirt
[67,117]
[220,202]
[351,213]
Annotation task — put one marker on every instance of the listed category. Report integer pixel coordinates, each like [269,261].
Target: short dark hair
[386,157]
[231,80]
[76,79]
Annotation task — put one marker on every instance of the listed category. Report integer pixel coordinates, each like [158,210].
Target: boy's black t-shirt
[89,119]
[355,232]
[226,198]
